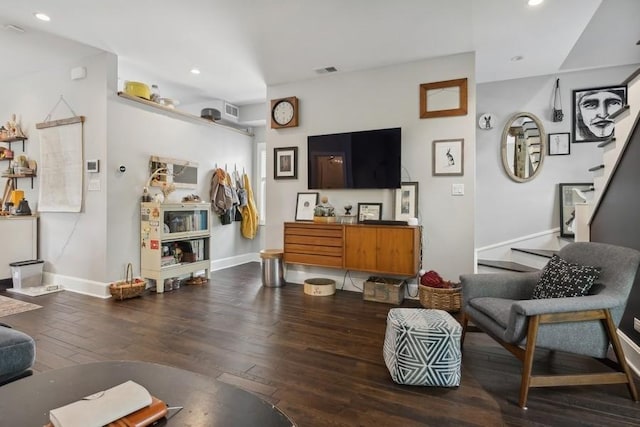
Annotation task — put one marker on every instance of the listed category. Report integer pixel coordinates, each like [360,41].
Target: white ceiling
[242,46]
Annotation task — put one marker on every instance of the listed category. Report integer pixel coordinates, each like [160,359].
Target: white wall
[506,209]
[134,135]
[384,98]
[95,245]
[71,244]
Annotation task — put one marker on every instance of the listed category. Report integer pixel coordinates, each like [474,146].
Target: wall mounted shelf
[172,112]
[14,139]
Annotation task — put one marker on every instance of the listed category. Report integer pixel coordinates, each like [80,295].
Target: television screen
[365,159]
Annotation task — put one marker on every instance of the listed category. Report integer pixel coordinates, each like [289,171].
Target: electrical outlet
[636,324]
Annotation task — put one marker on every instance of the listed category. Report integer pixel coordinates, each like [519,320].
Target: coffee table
[205,401]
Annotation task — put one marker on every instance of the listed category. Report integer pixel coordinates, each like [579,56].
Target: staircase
[518,255]
[626,120]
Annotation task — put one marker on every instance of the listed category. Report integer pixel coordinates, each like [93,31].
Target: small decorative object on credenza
[324,212]
[437,293]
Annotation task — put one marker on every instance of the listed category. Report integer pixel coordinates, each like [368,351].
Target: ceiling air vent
[14,28]
[231,110]
[326,70]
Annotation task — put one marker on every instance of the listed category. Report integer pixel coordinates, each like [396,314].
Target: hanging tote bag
[558,115]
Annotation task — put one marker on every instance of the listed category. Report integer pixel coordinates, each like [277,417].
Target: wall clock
[284,112]
[486,121]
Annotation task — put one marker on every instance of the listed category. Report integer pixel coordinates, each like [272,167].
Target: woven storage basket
[127,288]
[448,299]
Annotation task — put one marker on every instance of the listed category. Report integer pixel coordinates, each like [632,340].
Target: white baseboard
[520,239]
[219,264]
[77,285]
[631,352]
[101,290]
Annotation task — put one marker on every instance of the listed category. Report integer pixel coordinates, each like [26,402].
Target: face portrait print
[593,113]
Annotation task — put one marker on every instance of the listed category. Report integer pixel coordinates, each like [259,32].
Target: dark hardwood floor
[319,359]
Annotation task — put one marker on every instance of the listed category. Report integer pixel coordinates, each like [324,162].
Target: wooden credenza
[388,249]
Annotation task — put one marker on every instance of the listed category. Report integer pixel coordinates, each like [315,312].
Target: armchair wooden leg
[527,363]
[617,348]
[465,323]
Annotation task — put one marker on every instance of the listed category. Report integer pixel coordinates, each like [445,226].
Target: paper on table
[103,407]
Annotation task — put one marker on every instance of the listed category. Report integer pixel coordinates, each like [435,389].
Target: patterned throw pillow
[561,279]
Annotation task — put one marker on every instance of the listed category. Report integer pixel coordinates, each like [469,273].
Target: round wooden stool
[319,287]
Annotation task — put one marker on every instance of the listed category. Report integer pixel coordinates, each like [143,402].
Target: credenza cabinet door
[360,248]
[396,250]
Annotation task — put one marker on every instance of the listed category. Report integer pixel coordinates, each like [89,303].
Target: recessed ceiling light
[195,71]
[517,58]
[534,2]
[42,16]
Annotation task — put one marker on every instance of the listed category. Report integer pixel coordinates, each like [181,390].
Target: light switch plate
[94,185]
[457,189]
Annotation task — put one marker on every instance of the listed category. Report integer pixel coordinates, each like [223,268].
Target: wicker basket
[127,288]
[448,299]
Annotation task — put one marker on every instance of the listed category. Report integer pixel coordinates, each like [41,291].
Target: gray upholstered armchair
[502,306]
[17,354]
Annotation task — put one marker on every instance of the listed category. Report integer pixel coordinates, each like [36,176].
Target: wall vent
[14,28]
[231,110]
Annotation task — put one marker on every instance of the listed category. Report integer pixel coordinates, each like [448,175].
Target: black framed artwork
[285,163]
[592,111]
[369,211]
[559,144]
[570,195]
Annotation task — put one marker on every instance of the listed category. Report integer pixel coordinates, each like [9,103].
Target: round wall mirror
[523,146]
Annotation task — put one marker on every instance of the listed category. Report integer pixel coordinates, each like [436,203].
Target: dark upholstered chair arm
[563,305]
[499,285]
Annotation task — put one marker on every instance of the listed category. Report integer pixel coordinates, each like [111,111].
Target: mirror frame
[503,146]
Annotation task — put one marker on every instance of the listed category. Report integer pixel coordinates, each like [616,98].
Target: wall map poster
[60,168]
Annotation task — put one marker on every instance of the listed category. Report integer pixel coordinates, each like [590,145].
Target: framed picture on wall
[285,163]
[448,157]
[407,201]
[443,99]
[559,144]
[570,195]
[592,110]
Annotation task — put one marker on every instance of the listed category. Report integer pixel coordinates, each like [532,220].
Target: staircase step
[607,142]
[620,112]
[547,253]
[506,265]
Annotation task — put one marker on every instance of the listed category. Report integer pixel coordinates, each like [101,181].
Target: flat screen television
[365,159]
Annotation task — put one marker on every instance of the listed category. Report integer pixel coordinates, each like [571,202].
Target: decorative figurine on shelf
[324,212]
[13,128]
[167,189]
[324,208]
[146,197]
[347,210]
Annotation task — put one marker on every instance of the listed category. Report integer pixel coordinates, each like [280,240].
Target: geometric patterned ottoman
[422,347]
